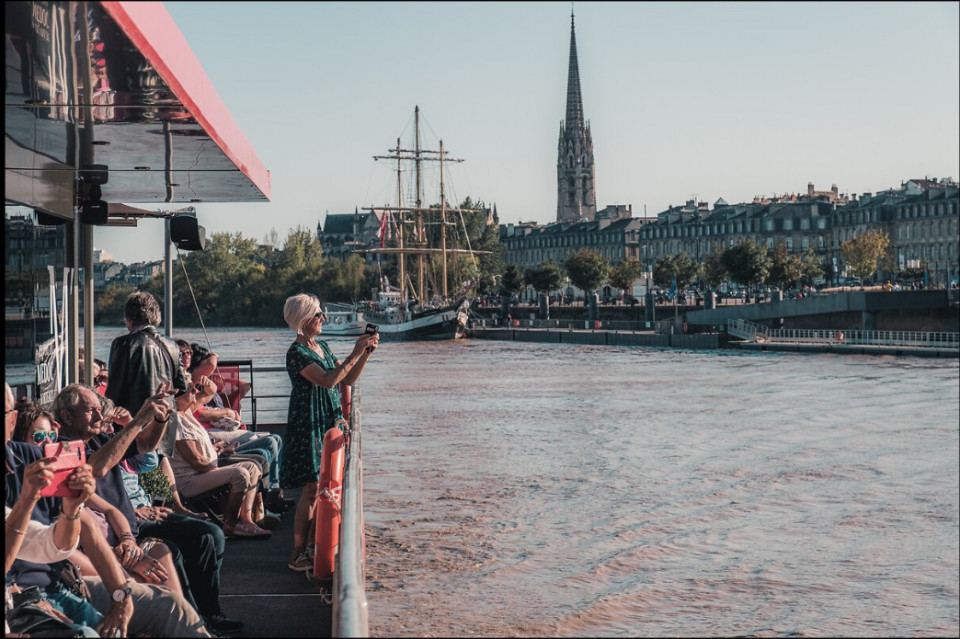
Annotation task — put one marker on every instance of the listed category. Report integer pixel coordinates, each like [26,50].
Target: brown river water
[516,489]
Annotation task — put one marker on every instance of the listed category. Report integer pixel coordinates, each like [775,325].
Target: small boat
[422,306]
[343,320]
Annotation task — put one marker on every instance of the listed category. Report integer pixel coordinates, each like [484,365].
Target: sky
[685,101]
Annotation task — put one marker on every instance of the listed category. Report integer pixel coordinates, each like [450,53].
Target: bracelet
[127,535]
[12,529]
[73,517]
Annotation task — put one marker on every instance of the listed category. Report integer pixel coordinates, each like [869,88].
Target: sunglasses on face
[320,315]
[41,436]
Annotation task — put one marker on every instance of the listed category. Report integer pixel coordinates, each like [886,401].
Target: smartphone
[371,329]
[70,455]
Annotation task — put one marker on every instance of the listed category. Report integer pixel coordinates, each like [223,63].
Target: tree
[490,261]
[512,281]
[544,278]
[109,306]
[587,269]
[714,272]
[785,267]
[625,274]
[862,254]
[811,266]
[222,282]
[680,267]
[747,263]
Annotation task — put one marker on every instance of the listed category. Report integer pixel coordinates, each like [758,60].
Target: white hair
[299,309]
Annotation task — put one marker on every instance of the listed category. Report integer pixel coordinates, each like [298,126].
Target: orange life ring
[839,336]
[686,328]
[327,514]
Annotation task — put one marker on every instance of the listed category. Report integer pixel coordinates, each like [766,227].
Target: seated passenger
[149,562]
[34,424]
[199,361]
[197,546]
[269,445]
[196,469]
[112,605]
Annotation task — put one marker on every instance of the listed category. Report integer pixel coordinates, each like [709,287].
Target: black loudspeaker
[187,234]
[94,212]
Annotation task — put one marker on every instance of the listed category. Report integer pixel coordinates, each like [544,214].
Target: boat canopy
[117,98]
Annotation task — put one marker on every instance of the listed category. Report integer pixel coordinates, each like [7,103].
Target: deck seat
[209,502]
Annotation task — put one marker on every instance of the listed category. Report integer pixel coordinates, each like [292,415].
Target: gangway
[751,331]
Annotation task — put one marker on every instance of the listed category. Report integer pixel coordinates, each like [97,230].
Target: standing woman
[314,408]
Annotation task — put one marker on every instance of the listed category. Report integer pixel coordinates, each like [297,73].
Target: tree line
[747,264]
[236,281]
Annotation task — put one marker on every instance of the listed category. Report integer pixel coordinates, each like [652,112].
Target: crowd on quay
[105,556]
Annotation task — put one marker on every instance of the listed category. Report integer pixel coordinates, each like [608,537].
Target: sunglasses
[41,436]
[320,315]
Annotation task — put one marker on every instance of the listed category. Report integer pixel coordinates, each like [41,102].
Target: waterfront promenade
[529,331]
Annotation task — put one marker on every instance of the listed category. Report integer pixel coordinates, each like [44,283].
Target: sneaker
[222,624]
[300,561]
[311,551]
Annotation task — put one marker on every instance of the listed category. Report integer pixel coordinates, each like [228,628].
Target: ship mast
[443,224]
[418,245]
[421,239]
[401,262]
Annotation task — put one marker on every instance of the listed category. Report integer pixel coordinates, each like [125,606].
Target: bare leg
[304,516]
[177,505]
[231,509]
[246,509]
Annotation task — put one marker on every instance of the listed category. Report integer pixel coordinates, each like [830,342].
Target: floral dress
[313,411]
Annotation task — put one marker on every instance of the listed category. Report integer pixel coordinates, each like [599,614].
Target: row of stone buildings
[921,218]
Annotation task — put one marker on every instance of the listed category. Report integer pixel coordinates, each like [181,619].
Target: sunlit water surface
[519,489]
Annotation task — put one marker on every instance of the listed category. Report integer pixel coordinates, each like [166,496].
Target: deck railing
[920,339]
[349,577]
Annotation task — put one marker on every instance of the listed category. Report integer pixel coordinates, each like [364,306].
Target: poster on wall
[51,365]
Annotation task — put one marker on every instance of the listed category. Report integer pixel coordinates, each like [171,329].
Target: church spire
[576,190]
[574,100]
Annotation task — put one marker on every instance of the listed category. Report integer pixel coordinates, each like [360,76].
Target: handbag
[73,581]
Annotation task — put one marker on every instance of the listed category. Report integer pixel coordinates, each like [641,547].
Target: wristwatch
[121,593]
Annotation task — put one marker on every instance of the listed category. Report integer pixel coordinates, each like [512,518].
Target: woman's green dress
[313,411]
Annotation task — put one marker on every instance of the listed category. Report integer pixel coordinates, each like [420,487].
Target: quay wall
[599,337]
[692,341]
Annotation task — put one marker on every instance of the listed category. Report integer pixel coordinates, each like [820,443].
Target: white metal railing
[350,598]
[757,332]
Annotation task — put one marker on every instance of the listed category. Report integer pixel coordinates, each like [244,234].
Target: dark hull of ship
[438,324]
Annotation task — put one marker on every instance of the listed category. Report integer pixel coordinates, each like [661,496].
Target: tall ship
[424,303]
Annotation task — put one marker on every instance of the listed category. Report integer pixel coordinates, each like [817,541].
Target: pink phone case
[69,454]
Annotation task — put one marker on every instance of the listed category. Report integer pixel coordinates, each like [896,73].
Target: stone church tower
[576,180]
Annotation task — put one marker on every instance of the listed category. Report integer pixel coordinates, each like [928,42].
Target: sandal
[243,529]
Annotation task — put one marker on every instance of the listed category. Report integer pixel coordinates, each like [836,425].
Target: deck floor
[257,588]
